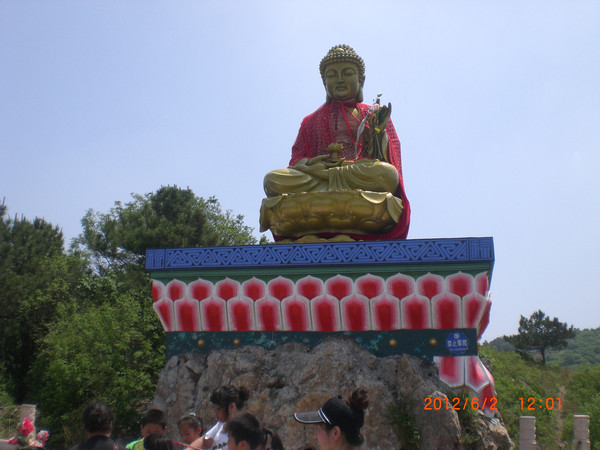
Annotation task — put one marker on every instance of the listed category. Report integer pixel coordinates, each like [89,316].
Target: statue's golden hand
[317,170]
[380,118]
[317,160]
[322,160]
[317,166]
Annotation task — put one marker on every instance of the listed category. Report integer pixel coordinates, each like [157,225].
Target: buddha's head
[343,74]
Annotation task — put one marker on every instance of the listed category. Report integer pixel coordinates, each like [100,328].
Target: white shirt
[219,437]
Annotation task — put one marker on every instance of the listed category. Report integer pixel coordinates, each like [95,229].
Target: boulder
[295,377]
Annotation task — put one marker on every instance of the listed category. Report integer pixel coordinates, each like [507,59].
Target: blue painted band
[413,251]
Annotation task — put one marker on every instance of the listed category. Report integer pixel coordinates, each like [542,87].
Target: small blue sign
[457,342]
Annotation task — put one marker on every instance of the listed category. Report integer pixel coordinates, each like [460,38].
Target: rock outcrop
[294,377]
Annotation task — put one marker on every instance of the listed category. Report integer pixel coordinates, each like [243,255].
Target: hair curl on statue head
[343,53]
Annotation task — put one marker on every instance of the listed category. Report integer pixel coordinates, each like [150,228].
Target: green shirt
[136,445]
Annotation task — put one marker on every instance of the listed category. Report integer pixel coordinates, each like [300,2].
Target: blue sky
[497,105]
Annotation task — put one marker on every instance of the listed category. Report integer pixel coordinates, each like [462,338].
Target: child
[190,428]
[245,432]
[153,422]
[158,442]
[227,401]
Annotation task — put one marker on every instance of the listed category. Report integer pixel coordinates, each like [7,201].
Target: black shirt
[98,443]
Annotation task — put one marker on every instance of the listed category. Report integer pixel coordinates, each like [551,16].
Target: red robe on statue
[333,123]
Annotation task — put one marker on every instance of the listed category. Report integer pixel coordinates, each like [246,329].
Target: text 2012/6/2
[457,403]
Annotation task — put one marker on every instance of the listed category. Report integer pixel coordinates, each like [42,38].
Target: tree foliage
[539,333]
[79,326]
[517,378]
[109,348]
[171,217]
[583,349]
[34,272]
[592,408]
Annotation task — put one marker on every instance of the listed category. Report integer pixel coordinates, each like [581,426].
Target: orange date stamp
[547,403]
[457,403]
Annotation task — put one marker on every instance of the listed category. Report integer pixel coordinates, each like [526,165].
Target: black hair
[98,418]
[246,427]
[275,444]
[157,442]
[358,402]
[191,420]
[155,417]
[226,395]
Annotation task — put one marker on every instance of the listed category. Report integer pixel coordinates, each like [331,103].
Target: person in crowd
[153,422]
[271,441]
[98,422]
[158,442]
[190,428]
[245,432]
[339,421]
[227,401]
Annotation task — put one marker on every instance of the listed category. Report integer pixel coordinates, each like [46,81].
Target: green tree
[517,378]
[33,273]
[583,349]
[107,343]
[540,333]
[592,408]
[97,349]
[80,326]
[171,217]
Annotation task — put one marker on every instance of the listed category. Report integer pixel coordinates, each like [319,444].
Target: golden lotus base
[340,212]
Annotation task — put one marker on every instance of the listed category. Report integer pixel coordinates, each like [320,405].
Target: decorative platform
[415,251]
[426,297]
[424,344]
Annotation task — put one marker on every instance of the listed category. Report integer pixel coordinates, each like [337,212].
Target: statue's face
[341,81]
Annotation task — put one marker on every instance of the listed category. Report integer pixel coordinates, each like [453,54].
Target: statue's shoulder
[324,108]
[309,121]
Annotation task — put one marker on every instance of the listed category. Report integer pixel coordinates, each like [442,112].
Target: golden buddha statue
[344,180]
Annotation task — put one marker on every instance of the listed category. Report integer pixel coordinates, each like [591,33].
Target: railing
[581,433]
